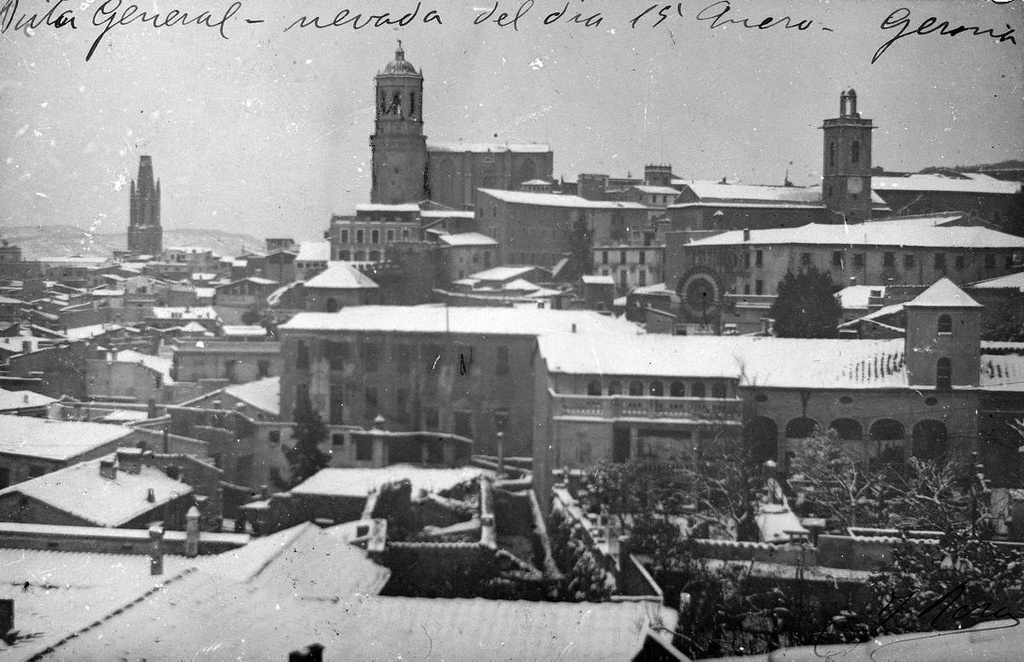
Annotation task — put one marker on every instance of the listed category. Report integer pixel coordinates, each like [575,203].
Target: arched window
[331,305]
[657,389]
[615,387]
[887,429]
[855,152]
[800,428]
[594,387]
[677,389]
[698,390]
[944,374]
[636,387]
[718,390]
[847,429]
[360,256]
[412,104]
[374,256]
[832,154]
[945,324]
[930,440]
[344,256]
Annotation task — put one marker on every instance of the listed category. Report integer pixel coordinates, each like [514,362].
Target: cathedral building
[145,236]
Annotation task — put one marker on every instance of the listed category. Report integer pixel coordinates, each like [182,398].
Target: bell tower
[398,146]
[846,181]
[144,232]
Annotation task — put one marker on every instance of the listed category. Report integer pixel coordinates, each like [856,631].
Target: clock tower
[846,181]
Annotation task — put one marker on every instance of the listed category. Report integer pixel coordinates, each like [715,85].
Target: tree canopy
[305,457]
[806,306]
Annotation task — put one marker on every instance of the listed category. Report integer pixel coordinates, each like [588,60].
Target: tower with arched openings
[398,146]
[846,165]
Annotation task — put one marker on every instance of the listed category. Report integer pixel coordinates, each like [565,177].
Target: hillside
[64,240]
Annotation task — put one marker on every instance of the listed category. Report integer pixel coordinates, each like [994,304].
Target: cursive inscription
[55,17]
[109,15]
[900,21]
[358,20]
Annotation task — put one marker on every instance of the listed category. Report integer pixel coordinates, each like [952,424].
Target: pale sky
[267,132]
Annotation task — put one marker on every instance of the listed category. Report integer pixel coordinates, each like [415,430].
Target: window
[337,354]
[622,257]
[855,152]
[656,389]
[759,258]
[958,262]
[858,259]
[375,236]
[374,256]
[405,233]
[594,387]
[359,236]
[831,154]
[642,278]
[698,390]
[337,404]
[990,261]
[371,356]
[837,259]
[909,261]
[746,260]
[805,259]
[718,390]
[746,288]
[623,279]
[344,236]
[338,439]
[642,257]
[615,387]
[501,364]
[945,324]
[263,369]
[390,234]
[464,424]
[604,257]
[677,389]
[430,418]
[301,392]
[344,256]
[888,259]
[940,261]
[302,356]
[943,374]
[758,287]
[370,399]
[364,448]
[274,436]
[636,387]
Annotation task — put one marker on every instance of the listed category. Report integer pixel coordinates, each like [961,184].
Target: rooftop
[515,148]
[314,251]
[81,491]
[857,297]
[555,200]
[54,440]
[1011,281]
[14,400]
[467,239]
[262,394]
[155,363]
[935,183]
[930,232]
[502,273]
[360,482]
[394,209]
[657,190]
[943,294]
[463,320]
[341,276]
[185,313]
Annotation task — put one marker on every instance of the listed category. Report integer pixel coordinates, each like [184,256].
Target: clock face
[700,295]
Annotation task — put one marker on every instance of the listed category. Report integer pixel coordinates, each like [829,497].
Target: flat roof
[54,440]
[360,482]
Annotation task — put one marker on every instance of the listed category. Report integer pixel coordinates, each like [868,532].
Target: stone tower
[398,145]
[846,185]
[145,235]
[943,338]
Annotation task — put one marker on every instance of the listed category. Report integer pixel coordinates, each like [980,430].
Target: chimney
[156,552]
[150,495]
[192,532]
[167,440]
[574,328]
[746,234]
[311,653]
[108,469]
[130,460]
[151,408]
[501,454]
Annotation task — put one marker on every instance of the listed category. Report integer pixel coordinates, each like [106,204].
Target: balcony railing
[704,410]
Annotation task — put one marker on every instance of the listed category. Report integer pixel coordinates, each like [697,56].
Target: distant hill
[65,240]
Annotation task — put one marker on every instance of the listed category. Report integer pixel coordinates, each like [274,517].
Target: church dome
[400,65]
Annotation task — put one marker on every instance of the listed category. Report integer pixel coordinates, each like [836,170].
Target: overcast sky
[267,132]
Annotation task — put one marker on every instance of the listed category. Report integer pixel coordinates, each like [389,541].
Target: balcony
[727,411]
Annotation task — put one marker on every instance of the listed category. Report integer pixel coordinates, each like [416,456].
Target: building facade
[456,171]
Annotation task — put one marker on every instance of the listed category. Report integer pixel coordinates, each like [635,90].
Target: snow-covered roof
[360,482]
[515,148]
[155,363]
[374,207]
[657,288]
[15,400]
[314,251]
[656,190]
[1002,372]
[502,273]
[258,280]
[467,239]
[185,312]
[446,213]
[264,394]
[917,183]
[556,200]
[856,297]
[232,331]
[918,234]
[106,292]
[943,294]
[81,491]
[91,331]
[1011,281]
[537,182]
[598,280]
[462,320]
[340,276]
[706,190]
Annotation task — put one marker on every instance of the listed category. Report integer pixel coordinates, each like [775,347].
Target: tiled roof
[943,184]
[555,200]
[917,233]
[360,482]
[943,294]
[263,394]
[54,440]
[467,239]
[515,148]
[81,491]
[461,320]
[341,276]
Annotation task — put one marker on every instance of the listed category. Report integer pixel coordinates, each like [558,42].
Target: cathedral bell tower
[846,185]
[398,146]
[145,235]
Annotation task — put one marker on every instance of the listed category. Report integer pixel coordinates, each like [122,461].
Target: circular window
[761,397]
[845,400]
[931,402]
